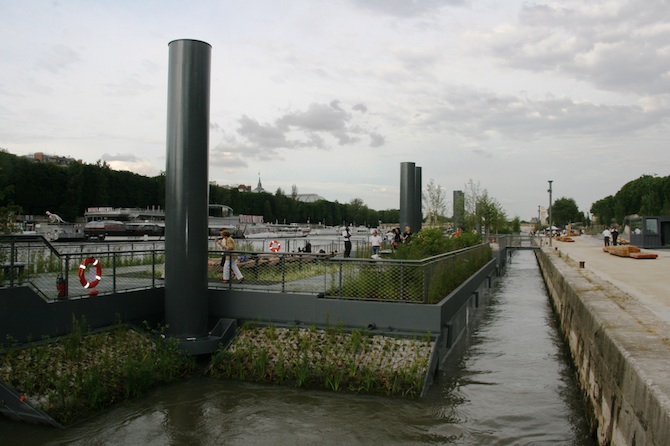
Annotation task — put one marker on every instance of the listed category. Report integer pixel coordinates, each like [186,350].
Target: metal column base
[223,331]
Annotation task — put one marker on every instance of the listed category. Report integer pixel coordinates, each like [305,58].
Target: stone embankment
[618,340]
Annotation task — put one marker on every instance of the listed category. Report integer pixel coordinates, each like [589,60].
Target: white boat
[260,231]
[328,230]
[293,231]
[360,231]
[58,231]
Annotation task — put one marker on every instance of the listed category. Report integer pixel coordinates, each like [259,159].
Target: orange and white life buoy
[82,272]
[275,245]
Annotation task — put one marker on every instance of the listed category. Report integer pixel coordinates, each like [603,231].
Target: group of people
[229,263]
[376,240]
[610,234]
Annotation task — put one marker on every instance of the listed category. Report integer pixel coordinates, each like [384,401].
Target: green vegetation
[647,195]
[329,359]
[82,373]
[31,187]
[418,282]
[565,211]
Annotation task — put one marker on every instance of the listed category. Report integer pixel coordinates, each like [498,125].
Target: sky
[332,96]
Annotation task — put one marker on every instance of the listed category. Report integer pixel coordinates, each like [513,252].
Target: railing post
[114,272]
[12,253]
[153,266]
[340,278]
[67,275]
[425,282]
[402,279]
[282,262]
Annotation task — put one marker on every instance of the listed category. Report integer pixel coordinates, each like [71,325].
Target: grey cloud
[479,115]
[126,157]
[262,135]
[619,47]
[360,107]
[303,128]
[58,58]
[376,140]
[318,117]
[405,8]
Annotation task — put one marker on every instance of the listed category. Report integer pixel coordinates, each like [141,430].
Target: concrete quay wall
[620,349]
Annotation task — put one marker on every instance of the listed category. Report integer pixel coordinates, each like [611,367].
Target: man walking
[346,235]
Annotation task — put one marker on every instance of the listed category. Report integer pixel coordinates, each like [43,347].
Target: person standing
[606,236]
[615,236]
[228,244]
[375,242]
[407,234]
[397,238]
[346,235]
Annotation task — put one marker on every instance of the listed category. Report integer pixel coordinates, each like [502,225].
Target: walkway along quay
[615,317]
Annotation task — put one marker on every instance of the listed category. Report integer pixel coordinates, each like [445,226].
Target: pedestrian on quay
[346,235]
[227,243]
[375,242]
[606,236]
[615,236]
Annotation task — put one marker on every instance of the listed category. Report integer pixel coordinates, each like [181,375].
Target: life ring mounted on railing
[82,272]
[275,245]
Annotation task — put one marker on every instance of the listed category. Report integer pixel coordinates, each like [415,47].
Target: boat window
[651,225]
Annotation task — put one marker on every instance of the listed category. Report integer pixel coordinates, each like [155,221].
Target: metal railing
[61,272]
[520,241]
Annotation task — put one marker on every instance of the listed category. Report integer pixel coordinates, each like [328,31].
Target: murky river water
[509,384]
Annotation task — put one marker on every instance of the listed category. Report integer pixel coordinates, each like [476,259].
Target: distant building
[308,198]
[259,188]
[53,159]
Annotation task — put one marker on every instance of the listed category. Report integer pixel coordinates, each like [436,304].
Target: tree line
[29,187]
[647,195]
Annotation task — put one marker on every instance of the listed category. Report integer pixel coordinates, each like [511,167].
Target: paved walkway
[646,280]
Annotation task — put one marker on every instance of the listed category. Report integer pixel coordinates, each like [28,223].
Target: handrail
[59,275]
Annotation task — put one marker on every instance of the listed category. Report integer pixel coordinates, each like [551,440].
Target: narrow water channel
[509,384]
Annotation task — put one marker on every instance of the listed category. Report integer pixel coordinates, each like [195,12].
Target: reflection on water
[509,384]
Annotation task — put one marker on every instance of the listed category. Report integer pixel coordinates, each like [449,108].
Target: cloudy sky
[331,96]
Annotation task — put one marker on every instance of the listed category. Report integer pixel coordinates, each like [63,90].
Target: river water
[509,384]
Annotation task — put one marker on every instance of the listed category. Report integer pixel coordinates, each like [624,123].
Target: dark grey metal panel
[407,195]
[186,200]
[26,316]
[416,226]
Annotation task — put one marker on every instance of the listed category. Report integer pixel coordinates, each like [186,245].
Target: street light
[551,223]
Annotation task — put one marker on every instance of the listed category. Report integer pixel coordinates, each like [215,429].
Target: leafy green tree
[565,211]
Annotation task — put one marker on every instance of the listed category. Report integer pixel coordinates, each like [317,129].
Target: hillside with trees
[647,195]
[31,188]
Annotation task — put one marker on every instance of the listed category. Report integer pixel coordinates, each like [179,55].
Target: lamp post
[551,223]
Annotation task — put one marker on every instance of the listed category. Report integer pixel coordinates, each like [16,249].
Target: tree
[565,211]
[435,201]
[472,194]
[490,214]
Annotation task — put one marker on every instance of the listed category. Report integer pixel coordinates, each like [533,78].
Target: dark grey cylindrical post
[186,189]
[407,195]
[416,227]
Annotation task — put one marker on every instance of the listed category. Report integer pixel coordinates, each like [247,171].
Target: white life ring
[275,245]
[82,272]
